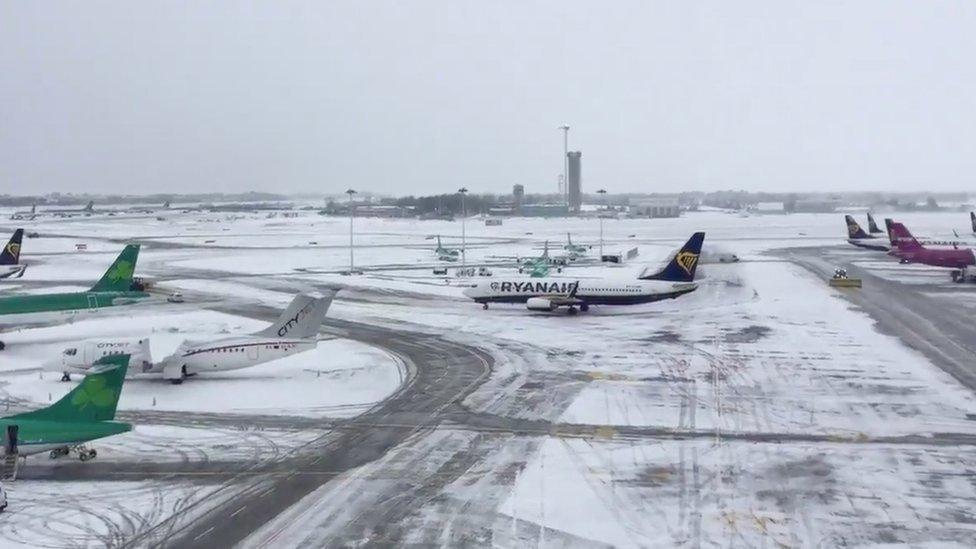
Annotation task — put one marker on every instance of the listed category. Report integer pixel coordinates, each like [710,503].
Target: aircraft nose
[470,291]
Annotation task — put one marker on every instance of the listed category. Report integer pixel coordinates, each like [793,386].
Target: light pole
[565,129]
[603,198]
[464,254]
[350,192]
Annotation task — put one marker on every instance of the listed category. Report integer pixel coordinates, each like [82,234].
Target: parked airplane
[294,332]
[861,239]
[675,279]
[71,212]
[910,250]
[928,241]
[25,215]
[78,358]
[446,254]
[574,249]
[84,414]
[10,266]
[872,226]
[114,289]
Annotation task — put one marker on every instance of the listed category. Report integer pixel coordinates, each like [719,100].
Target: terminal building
[655,207]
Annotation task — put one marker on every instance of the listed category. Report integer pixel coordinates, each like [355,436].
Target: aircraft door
[252,352]
[92,301]
[11,443]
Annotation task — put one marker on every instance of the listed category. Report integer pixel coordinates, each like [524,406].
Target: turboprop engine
[540,304]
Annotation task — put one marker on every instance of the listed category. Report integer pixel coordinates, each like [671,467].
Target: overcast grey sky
[421,96]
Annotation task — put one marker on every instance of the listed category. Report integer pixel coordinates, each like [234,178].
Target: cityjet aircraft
[78,358]
[675,279]
[10,266]
[294,332]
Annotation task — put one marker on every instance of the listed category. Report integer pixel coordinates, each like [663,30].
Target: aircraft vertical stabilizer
[872,226]
[94,399]
[301,319]
[118,277]
[682,266]
[11,252]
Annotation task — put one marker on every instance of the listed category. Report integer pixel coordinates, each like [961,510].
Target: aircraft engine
[540,304]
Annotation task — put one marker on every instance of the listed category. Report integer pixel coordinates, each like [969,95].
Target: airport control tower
[574,189]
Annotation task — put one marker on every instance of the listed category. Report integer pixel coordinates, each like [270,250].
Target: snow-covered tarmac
[764,348]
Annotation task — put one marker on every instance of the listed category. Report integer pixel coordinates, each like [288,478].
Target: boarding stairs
[9,467]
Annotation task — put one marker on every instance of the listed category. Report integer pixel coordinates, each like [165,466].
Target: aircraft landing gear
[58,452]
[66,377]
[572,311]
[484,306]
[85,455]
[584,307]
[2,345]
[180,379]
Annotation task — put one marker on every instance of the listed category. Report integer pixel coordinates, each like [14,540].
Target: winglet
[682,266]
[11,252]
[94,399]
[118,277]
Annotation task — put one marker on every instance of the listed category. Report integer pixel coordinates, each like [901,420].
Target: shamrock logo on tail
[93,391]
[123,271]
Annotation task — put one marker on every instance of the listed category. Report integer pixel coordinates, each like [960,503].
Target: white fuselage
[78,358]
[233,353]
[594,291]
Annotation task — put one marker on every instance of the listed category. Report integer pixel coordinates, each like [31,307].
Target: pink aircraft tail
[903,239]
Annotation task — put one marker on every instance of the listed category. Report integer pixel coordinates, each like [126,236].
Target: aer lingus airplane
[84,414]
[115,289]
[446,254]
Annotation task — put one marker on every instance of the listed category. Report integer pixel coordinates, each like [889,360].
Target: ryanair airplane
[675,279]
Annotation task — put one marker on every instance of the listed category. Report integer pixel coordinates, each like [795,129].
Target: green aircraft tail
[118,277]
[94,399]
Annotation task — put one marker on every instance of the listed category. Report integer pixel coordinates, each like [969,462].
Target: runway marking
[205,532]
[237,512]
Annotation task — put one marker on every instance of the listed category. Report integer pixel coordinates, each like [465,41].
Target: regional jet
[674,280]
[294,332]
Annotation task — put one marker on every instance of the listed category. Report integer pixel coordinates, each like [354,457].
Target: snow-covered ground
[762,348]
